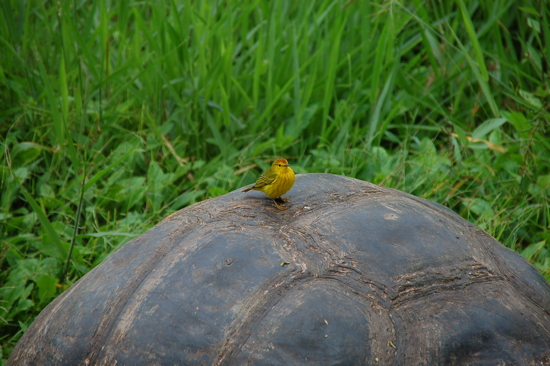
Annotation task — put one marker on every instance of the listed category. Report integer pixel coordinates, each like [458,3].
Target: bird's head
[280,165]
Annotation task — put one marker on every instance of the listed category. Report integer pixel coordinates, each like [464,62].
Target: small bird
[278,180]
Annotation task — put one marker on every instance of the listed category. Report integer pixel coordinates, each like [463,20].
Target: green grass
[115,114]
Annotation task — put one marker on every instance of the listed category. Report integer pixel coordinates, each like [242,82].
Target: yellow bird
[278,180]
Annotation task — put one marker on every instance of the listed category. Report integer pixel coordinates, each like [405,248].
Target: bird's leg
[284,199]
[280,207]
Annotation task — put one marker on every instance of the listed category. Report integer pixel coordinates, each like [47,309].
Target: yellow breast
[281,185]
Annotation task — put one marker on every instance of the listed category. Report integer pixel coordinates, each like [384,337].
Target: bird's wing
[266,179]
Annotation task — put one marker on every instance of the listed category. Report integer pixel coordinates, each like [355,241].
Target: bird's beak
[287,165]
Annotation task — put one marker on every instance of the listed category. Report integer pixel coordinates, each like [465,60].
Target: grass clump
[116,114]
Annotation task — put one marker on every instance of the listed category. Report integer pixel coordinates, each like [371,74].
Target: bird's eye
[279,164]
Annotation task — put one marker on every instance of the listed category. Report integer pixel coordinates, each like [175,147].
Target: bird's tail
[248,189]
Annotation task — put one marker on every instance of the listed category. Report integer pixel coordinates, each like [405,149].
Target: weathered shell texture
[350,274]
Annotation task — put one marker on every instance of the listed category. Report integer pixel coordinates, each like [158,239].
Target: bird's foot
[284,199]
[280,207]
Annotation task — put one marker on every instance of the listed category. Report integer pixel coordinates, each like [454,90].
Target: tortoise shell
[351,273]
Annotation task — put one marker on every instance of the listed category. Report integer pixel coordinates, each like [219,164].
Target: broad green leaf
[529,10]
[155,184]
[530,98]
[46,287]
[481,207]
[25,153]
[518,120]
[482,130]
[533,250]
[543,182]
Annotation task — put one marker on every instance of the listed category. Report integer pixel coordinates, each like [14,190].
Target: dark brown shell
[350,274]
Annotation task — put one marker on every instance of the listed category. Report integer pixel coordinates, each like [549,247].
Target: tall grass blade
[482,83]
[60,251]
[473,39]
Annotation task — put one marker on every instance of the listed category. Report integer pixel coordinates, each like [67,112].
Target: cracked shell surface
[351,273]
